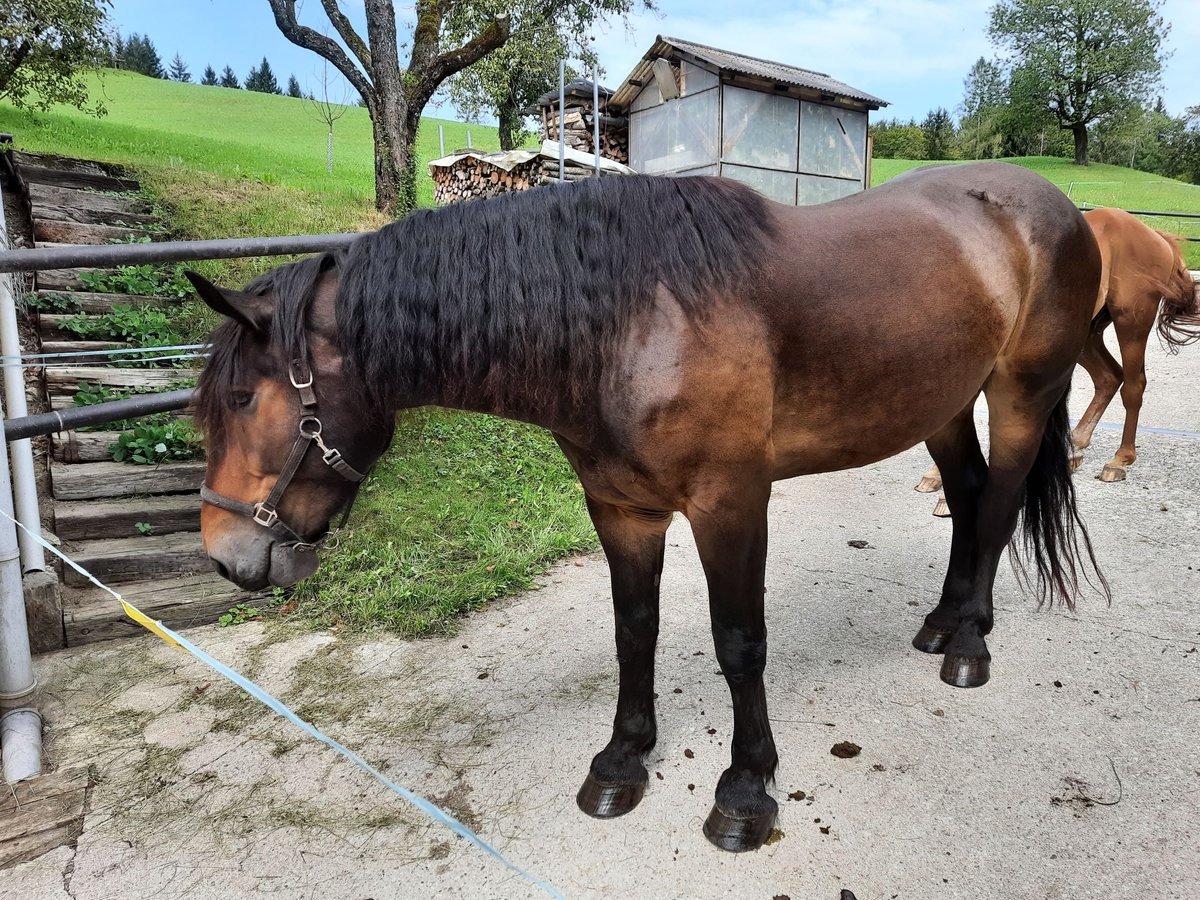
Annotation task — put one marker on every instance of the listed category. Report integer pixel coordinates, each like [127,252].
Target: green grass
[465,508]
[1099,185]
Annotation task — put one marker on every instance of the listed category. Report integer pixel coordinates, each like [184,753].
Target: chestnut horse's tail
[1053,535]
[1179,313]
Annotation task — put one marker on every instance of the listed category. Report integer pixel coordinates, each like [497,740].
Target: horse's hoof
[738,835]
[932,640]
[1112,473]
[965,671]
[1076,459]
[928,484]
[942,509]
[607,801]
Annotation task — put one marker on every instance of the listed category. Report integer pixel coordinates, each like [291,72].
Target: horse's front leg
[731,536]
[634,544]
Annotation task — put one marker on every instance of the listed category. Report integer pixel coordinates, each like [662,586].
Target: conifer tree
[229,79]
[179,69]
[210,76]
[262,79]
[293,88]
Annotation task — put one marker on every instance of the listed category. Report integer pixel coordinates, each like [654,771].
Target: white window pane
[759,129]
[779,186]
[832,141]
[695,79]
[814,189]
[703,170]
[674,136]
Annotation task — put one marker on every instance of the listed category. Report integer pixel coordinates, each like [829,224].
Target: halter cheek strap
[266,512]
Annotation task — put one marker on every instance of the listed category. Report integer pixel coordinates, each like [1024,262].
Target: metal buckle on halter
[292,376]
[263,516]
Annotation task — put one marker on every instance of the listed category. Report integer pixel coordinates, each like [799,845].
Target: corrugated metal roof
[727,61]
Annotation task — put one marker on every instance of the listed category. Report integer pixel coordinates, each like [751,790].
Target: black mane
[511,303]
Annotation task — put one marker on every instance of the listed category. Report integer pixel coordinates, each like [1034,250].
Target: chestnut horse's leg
[634,544]
[1107,376]
[731,535]
[956,452]
[1132,334]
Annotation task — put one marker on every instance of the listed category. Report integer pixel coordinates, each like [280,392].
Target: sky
[912,53]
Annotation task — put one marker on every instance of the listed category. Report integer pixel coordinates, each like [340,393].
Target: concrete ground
[1008,791]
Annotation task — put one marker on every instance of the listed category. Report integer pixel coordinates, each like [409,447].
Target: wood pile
[578,131]
[472,178]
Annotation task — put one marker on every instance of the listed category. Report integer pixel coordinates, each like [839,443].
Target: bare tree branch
[356,44]
[303,36]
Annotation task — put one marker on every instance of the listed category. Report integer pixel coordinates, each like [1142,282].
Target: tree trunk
[1080,132]
[508,124]
[395,163]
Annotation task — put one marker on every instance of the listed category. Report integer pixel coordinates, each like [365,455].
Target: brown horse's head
[256,410]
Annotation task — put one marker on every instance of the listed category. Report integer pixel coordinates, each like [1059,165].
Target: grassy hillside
[233,162]
[1100,185]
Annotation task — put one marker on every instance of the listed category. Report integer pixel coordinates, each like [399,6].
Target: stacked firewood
[578,130]
[471,178]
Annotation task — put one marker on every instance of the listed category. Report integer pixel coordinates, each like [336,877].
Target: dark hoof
[932,640]
[738,835]
[965,671]
[607,801]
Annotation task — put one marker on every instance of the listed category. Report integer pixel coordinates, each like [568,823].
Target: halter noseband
[266,512]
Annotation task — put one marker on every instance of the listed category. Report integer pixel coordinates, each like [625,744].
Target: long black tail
[1051,530]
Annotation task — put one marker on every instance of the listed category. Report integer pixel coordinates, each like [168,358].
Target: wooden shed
[796,135]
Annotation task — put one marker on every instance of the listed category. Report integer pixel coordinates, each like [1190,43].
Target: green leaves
[152,444]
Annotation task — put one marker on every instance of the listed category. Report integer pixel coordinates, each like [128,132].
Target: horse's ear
[252,310]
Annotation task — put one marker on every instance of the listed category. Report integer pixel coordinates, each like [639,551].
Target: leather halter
[266,512]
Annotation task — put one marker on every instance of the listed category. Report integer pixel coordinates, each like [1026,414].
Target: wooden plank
[91,302]
[59,163]
[138,558]
[93,181]
[67,377]
[42,813]
[51,195]
[89,215]
[67,401]
[81,346]
[114,479]
[65,279]
[92,615]
[62,232]
[83,446]
[83,519]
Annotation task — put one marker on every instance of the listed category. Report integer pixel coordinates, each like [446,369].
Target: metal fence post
[24,483]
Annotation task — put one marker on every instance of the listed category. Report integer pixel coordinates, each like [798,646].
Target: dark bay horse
[687,342]
[1145,286]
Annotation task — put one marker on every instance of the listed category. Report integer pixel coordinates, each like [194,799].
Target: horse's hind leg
[1018,418]
[956,452]
[1107,376]
[634,544]
[1132,334]
[731,535]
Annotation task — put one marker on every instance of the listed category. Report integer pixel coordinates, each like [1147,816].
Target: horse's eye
[240,399]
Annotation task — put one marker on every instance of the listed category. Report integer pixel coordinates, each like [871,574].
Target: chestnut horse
[687,342]
[1144,280]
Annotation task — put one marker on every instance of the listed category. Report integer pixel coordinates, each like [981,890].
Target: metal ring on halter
[314,433]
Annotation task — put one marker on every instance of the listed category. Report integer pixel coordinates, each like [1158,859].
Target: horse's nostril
[221,570]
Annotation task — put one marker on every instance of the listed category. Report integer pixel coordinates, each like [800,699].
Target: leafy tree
[262,79]
[514,76]
[179,70]
[395,96]
[45,45]
[293,88]
[210,76]
[893,139]
[1088,58]
[141,57]
[939,134]
[229,79]
[985,93]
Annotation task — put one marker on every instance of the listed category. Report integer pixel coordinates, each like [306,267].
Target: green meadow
[1100,185]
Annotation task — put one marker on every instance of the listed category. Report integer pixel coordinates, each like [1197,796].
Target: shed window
[832,141]
[759,129]
[672,136]
[779,186]
[815,189]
